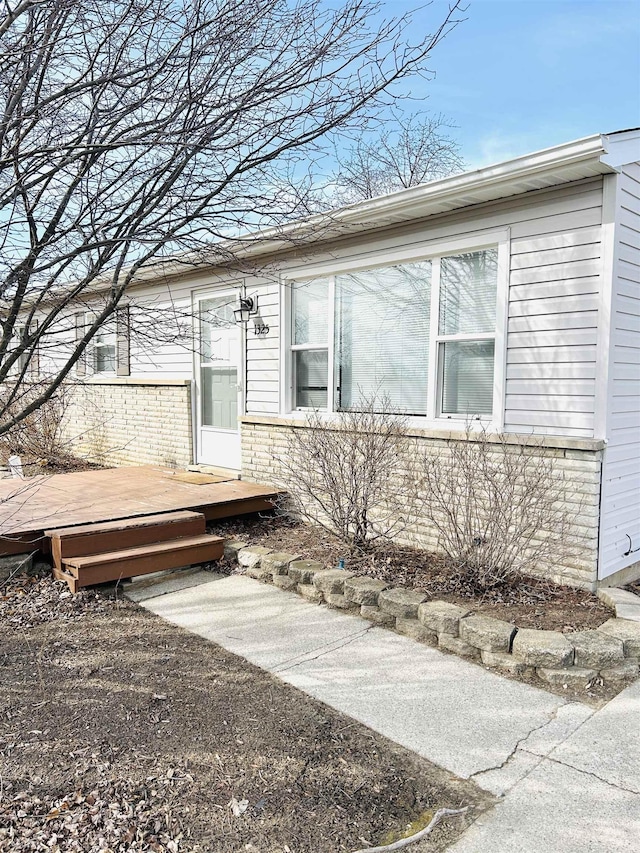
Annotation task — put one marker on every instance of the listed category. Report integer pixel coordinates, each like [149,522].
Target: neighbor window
[379,332]
[104,351]
[108,350]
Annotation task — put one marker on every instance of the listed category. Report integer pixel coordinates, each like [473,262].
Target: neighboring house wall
[134,422]
[621,474]
[575,463]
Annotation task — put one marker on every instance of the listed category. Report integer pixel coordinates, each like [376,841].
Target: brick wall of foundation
[131,422]
[577,463]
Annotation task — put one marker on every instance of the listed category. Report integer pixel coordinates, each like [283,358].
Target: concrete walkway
[569,777]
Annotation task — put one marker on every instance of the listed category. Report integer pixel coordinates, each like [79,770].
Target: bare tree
[408,152]
[135,130]
[346,475]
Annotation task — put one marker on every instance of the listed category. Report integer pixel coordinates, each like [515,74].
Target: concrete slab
[265,625]
[150,586]
[453,713]
[556,808]
[500,780]
[608,744]
[567,720]
[14,564]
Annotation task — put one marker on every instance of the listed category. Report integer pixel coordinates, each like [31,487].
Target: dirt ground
[527,602]
[120,732]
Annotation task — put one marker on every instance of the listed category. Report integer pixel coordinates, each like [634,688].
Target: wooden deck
[29,507]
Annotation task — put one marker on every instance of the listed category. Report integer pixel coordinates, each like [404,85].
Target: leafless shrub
[39,438]
[497,507]
[344,475]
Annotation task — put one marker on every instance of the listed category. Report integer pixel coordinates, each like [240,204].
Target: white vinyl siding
[555,267]
[620,514]
[555,272]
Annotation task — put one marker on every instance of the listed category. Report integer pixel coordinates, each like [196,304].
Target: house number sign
[261,330]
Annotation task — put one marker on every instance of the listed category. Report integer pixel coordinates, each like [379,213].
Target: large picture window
[421,335]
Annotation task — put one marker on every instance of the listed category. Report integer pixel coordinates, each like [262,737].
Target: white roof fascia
[412,203]
[621,148]
[549,159]
[549,167]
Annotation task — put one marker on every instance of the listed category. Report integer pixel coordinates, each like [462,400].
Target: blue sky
[520,75]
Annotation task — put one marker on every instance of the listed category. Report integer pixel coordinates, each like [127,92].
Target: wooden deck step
[92,569]
[86,539]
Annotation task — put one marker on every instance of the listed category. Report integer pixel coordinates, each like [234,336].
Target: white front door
[218,381]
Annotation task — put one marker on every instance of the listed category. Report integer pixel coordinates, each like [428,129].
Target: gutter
[395,207]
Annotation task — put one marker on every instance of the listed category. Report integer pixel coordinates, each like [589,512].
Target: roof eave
[546,168]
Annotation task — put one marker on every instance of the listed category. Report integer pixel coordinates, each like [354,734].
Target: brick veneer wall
[578,463]
[125,422]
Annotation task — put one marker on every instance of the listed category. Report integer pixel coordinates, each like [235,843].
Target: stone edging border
[612,651]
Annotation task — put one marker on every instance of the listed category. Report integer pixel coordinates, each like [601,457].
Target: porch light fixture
[247,307]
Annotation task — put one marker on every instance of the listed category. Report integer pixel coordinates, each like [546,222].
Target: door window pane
[311,372]
[310,312]
[467,377]
[382,337]
[216,316]
[468,293]
[220,397]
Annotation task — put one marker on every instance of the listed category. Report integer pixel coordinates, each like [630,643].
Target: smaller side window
[23,358]
[104,350]
[27,361]
[310,344]
[466,333]
[110,346]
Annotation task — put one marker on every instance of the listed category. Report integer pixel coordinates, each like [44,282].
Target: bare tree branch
[408,152]
[136,130]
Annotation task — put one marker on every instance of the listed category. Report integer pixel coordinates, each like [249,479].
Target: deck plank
[87,497]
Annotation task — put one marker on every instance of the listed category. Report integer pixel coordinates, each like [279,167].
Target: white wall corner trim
[610,208]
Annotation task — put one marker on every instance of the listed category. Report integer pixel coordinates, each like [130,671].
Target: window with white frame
[420,334]
[104,349]
[28,358]
[108,350]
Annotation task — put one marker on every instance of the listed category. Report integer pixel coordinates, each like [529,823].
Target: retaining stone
[441,616]
[339,602]
[308,591]
[252,556]
[596,649]
[543,649]
[377,616]
[572,676]
[412,628]
[401,602]
[458,647]
[363,590]
[331,580]
[232,546]
[284,582]
[627,631]
[278,562]
[303,571]
[487,633]
[505,662]
[259,573]
[627,669]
